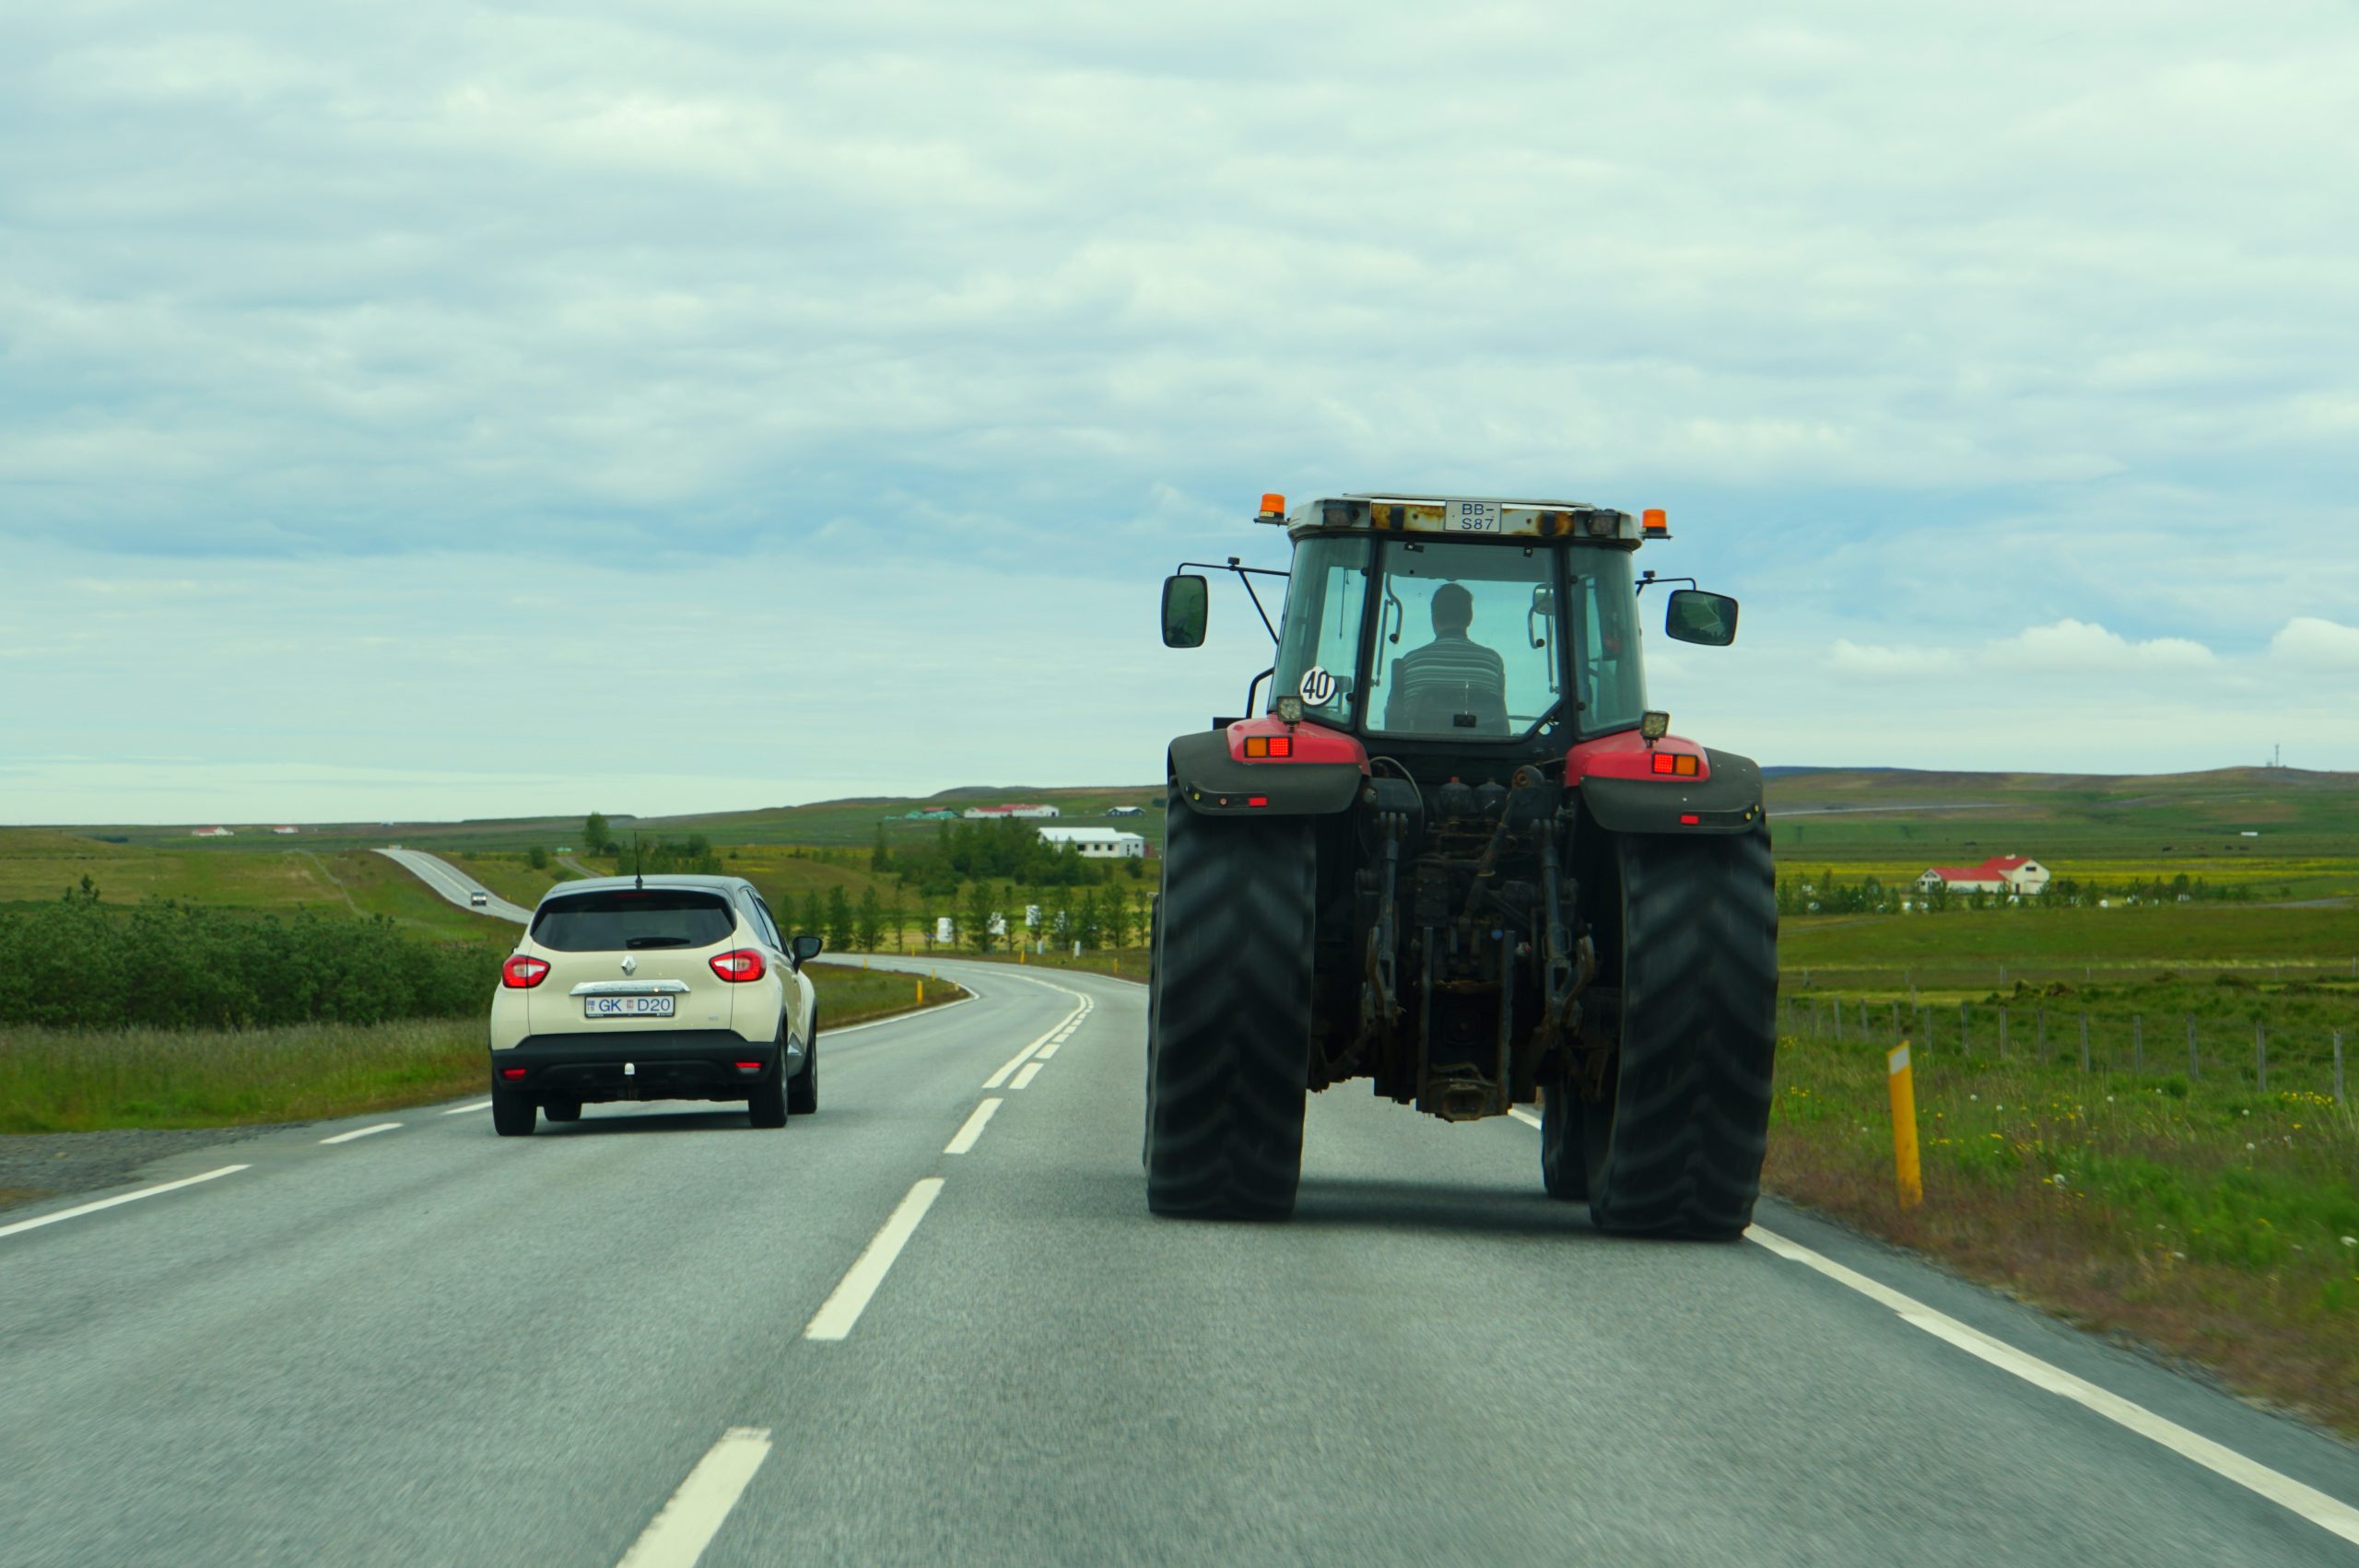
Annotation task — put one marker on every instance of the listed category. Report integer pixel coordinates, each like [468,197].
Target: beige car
[663,988]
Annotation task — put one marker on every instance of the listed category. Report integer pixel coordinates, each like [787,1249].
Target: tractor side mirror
[1187,601]
[1694,615]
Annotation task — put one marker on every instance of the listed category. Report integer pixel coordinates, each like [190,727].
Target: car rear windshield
[628,917]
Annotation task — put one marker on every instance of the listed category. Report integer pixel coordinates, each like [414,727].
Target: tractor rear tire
[1675,1147]
[1228,1029]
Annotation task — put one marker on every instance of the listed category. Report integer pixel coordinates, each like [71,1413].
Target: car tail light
[512,1072]
[749,1067]
[523,971]
[739,965]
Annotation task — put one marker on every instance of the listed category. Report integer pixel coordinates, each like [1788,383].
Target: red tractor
[1458,855]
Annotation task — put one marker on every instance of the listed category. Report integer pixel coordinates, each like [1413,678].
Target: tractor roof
[1464,517]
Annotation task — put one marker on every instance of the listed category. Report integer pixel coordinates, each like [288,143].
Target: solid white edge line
[361,1132]
[2328,1514]
[974,1128]
[461,1110]
[843,1306]
[1031,1071]
[831,1032]
[677,1537]
[39,1220]
[1524,1116]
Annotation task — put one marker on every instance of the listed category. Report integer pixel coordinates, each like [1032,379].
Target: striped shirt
[1449,675]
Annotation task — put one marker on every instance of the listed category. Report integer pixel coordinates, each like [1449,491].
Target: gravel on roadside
[37,1166]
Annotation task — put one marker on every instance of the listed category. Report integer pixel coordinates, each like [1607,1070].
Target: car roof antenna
[638,862]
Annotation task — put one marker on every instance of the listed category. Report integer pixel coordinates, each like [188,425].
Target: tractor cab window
[1613,683]
[1467,640]
[1319,641]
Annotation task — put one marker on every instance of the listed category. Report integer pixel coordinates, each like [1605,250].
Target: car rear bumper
[679,1064]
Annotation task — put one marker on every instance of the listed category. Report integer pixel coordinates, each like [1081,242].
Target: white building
[1098,843]
[990,813]
[211,833]
[284,832]
[2000,873]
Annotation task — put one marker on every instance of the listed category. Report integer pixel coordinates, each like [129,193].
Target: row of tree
[1826,893]
[82,964]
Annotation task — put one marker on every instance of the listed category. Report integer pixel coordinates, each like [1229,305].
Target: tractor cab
[1445,631]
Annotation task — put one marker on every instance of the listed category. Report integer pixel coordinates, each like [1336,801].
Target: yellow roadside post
[1904,1126]
[921,993]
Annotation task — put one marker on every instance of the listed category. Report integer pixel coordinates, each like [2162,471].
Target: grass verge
[90,1080]
[85,1081]
[2212,1222]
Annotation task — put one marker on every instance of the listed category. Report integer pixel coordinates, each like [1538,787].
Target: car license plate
[627,1007]
[1473,517]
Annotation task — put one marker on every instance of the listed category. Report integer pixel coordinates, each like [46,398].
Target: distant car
[1126,811]
[479,898]
[669,987]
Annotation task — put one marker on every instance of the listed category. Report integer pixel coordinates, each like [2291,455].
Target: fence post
[2039,1020]
[2084,1042]
[2260,1055]
[1839,1020]
[2194,1072]
[2137,1045]
[1895,1021]
[2003,1033]
[2338,1071]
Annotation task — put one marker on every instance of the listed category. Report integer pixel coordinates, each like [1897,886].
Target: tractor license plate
[1473,517]
[627,1007]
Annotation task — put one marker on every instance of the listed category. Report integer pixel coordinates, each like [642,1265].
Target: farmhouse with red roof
[2000,873]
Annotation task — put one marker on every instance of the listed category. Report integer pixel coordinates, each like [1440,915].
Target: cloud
[2071,646]
[2312,643]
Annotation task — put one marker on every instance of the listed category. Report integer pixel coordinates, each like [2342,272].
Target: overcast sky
[447,410]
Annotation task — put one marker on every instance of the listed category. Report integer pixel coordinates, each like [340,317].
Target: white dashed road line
[1065,1027]
[837,1315]
[1524,1116]
[1024,1079]
[462,1110]
[974,1128]
[361,1132]
[678,1536]
[39,1220]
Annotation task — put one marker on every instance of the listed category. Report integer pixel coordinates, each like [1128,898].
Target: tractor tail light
[1269,745]
[739,965]
[1676,763]
[1689,819]
[749,1067]
[523,971]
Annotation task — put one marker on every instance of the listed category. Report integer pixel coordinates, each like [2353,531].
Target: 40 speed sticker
[1318,686]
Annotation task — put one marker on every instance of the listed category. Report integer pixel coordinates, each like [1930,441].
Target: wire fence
[2207,1051]
[1988,976]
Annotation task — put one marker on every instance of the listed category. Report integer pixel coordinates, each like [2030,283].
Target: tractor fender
[1214,783]
[1728,802]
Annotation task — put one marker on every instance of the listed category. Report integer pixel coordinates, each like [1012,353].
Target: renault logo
[630,965]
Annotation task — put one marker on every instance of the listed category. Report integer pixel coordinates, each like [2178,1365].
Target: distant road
[457,886]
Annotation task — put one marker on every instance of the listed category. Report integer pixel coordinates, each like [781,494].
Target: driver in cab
[1453,683]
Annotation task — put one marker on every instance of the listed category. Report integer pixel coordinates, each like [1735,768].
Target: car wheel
[512,1113]
[766,1106]
[802,1089]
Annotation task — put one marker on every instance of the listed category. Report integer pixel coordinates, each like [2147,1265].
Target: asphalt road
[456,885]
[426,1344]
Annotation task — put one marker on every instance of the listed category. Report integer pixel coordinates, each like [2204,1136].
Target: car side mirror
[1694,615]
[1187,601]
[807,948]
